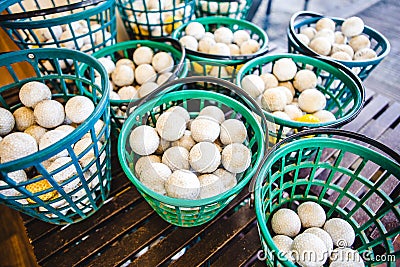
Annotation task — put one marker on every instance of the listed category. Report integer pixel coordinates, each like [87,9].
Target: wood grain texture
[23,70]
[15,248]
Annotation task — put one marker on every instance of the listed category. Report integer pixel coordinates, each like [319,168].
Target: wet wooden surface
[15,248]
[127,225]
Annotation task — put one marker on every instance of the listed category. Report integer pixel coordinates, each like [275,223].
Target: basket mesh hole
[316,189]
[356,188]
[391,221]
[194,105]
[6,75]
[304,173]
[374,202]
[266,68]
[360,216]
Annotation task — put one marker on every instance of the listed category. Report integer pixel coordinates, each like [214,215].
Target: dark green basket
[26,18]
[202,63]
[343,89]
[183,212]
[236,9]
[142,21]
[94,177]
[365,193]
[126,50]
[362,68]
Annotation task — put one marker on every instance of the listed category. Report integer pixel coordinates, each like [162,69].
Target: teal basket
[364,192]
[31,24]
[226,67]
[81,195]
[126,50]
[183,212]
[148,19]
[237,9]
[342,88]
[362,68]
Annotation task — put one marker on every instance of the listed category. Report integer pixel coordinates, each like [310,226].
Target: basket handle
[162,89]
[317,131]
[221,57]
[48,11]
[293,34]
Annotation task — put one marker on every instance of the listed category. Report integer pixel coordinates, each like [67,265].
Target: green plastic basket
[236,9]
[30,22]
[202,63]
[126,50]
[183,212]
[79,196]
[342,186]
[362,68]
[148,19]
[343,89]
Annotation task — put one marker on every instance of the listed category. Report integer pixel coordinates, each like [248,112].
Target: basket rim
[328,63]
[100,6]
[42,155]
[129,45]
[242,12]
[314,17]
[199,56]
[287,145]
[124,135]
[222,1]
[124,3]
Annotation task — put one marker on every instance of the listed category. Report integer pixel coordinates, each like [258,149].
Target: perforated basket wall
[82,25]
[343,90]
[148,19]
[184,212]
[81,183]
[225,67]
[126,50]
[236,9]
[351,176]
[362,68]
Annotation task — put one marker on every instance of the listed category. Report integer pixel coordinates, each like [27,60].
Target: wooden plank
[38,229]
[373,129]
[15,249]
[179,238]
[167,247]
[377,104]
[369,94]
[374,202]
[56,241]
[131,244]
[374,105]
[211,242]
[106,234]
[256,263]
[243,249]
[392,138]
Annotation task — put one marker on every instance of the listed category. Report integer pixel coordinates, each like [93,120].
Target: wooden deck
[126,225]
[126,231]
